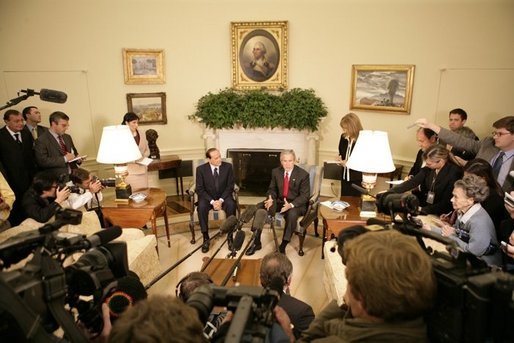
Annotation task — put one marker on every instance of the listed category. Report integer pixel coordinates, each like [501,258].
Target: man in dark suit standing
[277,269]
[32,118]
[289,191]
[215,187]
[17,159]
[54,149]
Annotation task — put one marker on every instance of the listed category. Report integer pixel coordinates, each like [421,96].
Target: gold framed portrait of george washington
[259,55]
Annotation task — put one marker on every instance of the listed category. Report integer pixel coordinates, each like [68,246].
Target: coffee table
[334,221]
[136,215]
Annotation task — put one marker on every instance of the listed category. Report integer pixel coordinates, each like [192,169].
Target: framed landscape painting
[259,55]
[150,107]
[143,66]
[386,87]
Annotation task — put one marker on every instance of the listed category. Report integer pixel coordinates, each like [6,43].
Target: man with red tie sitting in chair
[289,191]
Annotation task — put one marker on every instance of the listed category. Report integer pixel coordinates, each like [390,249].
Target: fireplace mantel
[302,142]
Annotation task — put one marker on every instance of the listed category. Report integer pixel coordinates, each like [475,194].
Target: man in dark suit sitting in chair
[288,191]
[215,187]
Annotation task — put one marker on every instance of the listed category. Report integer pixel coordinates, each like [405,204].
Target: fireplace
[252,169]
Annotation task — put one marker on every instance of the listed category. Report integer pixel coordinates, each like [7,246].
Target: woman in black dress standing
[351,125]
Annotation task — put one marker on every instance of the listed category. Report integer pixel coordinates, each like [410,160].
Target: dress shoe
[282,247]
[253,248]
[205,246]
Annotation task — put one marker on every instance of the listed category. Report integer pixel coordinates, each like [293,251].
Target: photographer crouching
[86,190]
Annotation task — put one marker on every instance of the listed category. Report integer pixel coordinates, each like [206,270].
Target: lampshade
[117,146]
[372,153]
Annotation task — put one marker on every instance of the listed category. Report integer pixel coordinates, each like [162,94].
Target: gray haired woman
[473,230]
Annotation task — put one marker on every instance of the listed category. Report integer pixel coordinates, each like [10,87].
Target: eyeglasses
[499,134]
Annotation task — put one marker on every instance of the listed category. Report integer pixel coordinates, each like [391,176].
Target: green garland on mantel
[292,109]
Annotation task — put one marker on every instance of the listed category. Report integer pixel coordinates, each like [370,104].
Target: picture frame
[150,107]
[259,54]
[382,87]
[143,66]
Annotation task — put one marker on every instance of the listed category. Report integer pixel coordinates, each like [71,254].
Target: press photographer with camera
[391,286]
[44,197]
[86,189]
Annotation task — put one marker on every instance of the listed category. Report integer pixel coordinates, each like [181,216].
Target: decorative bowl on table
[138,197]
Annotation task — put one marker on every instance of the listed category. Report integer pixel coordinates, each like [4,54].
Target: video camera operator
[87,191]
[390,287]
[44,197]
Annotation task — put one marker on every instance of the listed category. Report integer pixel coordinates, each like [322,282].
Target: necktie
[17,137]
[34,133]
[498,164]
[286,185]
[62,146]
[216,179]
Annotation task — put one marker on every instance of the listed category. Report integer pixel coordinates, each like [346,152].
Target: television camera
[44,295]
[252,307]
[474,302]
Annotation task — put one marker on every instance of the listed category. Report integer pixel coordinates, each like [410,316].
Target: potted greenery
[293,109]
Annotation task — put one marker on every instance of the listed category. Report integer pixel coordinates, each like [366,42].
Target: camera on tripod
[473,302]
[43,296]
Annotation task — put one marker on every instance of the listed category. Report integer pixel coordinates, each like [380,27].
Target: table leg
[154,230]
[181,186]
[323,239]
[165,213]
[176,182]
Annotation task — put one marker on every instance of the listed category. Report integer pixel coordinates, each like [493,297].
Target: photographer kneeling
[44,197]
[86,190]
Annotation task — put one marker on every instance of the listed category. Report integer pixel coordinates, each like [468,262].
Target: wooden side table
[334,222]
[169,163]
[136,215]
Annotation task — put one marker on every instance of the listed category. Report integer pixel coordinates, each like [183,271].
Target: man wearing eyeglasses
[498,150]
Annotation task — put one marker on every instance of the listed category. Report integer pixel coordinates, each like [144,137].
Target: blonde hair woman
[351,125]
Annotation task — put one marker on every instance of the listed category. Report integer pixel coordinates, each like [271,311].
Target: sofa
[142,256]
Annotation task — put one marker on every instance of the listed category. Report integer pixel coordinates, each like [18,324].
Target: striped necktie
[62,146]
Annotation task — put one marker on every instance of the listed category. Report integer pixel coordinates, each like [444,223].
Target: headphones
[197,278]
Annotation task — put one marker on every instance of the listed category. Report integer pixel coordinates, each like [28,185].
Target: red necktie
[62,145]
[286,185]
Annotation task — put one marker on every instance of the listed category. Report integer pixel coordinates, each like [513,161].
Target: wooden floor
[307,280]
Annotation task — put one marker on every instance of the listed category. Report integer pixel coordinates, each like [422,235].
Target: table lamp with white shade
[118,147]
[371,156]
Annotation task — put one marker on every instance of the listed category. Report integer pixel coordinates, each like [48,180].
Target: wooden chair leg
[316,227]
[301,237]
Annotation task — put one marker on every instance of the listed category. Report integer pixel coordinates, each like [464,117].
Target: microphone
[248,214]
[229,224]
[49,95]
[102,237]
[375,221]
[238,240]
[260,219]
[277,284]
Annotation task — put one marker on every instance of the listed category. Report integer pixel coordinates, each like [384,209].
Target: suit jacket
[299,191]
[442,187]
[416,167]
[484,149]
[40,130]
[37,208]
[205,182]
[300,313]
[48,153]
[17,161]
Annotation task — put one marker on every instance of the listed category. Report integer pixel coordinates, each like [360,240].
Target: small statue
[151,137]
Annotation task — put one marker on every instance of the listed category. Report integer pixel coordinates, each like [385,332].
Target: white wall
[84,39]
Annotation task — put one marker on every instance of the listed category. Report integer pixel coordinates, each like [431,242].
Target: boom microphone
[49,95]
[238,240]
[248,214]
[229,224]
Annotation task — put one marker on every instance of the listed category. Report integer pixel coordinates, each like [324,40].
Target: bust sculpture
[151,137]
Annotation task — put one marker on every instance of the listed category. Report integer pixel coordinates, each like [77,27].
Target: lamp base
[123,193]
[368,208]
